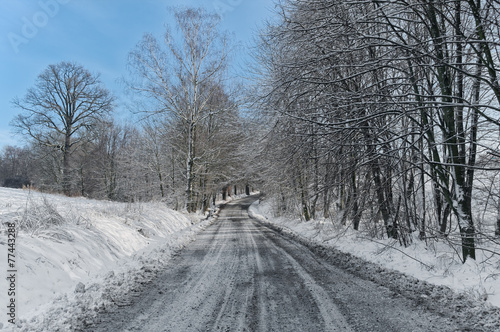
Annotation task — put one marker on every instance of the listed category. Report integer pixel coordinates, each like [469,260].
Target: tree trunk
[160,178]
[66,176]
[356,215]
[382,202]
[304,197]
[189,204]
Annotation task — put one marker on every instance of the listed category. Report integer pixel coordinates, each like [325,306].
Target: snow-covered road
[240,275]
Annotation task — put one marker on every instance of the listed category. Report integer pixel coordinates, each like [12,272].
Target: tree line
[380,114]
[385,111]
[185,149]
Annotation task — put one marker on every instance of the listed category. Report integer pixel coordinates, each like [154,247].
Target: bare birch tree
[182,75]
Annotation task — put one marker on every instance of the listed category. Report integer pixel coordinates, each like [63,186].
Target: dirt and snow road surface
[240,275]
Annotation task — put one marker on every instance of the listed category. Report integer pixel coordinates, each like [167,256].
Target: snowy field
[75,256]
[435,263]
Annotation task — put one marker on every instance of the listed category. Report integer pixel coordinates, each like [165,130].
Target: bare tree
[66,101]
[387,98]
[15,166]
[182,75]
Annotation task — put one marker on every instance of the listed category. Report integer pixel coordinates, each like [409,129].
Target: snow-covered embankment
[76,256]
[434,262]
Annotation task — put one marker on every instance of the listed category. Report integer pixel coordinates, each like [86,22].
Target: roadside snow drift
[434,262]
[75,256]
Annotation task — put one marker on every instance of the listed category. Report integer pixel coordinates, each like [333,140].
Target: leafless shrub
[38,216]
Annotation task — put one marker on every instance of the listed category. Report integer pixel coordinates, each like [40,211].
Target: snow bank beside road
[435,263]
[414,272]
[91,257]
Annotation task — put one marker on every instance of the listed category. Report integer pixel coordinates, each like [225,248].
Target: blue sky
[97,34]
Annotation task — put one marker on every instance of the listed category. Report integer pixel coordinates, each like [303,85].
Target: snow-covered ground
[80,255]
[434,262]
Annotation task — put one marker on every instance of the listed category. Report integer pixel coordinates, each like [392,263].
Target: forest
[386,112]
[378,115]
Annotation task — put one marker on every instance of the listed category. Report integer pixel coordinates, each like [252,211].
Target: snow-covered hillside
[76,254]
[434,262]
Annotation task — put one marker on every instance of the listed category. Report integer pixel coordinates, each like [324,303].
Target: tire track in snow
[242,276]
